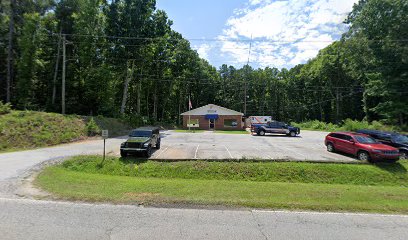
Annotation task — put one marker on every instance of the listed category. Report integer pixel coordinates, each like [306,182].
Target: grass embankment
[346,125]
[29,129]
[290,185]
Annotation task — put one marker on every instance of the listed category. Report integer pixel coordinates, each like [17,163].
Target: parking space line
[228,152]
[195,155]
[161,153]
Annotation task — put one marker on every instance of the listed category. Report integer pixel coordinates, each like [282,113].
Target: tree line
[122,58]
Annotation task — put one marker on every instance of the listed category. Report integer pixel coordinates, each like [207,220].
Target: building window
[193,121]
[230,123]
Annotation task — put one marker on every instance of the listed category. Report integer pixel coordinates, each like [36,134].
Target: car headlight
[122,144]
[376,151]
[146,145]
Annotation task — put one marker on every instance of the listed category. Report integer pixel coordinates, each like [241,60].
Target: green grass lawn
[215,131]
[74,185]
[232,131]
[189,131]
[284,185]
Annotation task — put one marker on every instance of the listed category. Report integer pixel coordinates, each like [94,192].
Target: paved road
[15,164]
[29,219]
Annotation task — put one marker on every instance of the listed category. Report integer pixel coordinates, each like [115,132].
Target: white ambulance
[260,119]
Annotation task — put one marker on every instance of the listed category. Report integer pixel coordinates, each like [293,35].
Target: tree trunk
[337,106]
[10,52]
[126,87]
[139,86]
[179,112]
[155,102]
[64,62]
[54,82]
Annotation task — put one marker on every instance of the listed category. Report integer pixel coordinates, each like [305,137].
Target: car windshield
[139,133]
[364,139]
[400,139]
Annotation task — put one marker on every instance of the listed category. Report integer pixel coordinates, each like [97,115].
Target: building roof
[211,109]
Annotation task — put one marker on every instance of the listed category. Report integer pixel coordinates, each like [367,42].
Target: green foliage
[346,125]
[92,129]
[5,108]
[362,76]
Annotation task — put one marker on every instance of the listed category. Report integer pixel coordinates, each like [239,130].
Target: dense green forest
[123,59]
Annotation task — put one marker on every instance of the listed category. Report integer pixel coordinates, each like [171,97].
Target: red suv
[360,145]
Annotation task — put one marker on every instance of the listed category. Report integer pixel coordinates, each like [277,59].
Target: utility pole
[63,73]
[245,82]
[129,76]
[10,51]
[54,82]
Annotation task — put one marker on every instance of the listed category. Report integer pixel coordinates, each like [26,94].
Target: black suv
[141,140]
[390,138]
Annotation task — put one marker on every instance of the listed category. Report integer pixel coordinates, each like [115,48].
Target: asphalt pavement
[24,218]
[30,219]
[308,146]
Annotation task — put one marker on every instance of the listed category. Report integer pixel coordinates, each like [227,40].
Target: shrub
[92,128]
[5,108]
[347,125]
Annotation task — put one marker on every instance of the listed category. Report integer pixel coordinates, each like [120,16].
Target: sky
[268,33]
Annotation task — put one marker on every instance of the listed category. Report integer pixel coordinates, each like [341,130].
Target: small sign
[193,125]
[105,134]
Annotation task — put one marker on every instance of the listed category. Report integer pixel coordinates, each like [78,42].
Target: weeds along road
[23,218]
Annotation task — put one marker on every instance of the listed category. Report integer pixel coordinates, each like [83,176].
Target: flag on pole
[190,106]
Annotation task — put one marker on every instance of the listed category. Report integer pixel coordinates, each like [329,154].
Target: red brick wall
[219,123]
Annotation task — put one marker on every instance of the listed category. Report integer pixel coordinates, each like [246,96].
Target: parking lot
[209,145]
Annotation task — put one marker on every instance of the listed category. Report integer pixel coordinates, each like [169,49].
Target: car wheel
[330,147]
[292,134]
[123,154]
[149,152]
[404,155]
[363,156]
[158,145]
[261,133]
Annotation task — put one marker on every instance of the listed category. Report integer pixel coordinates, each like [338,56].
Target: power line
[215,39]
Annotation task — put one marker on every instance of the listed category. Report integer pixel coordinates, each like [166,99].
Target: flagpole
[189,109]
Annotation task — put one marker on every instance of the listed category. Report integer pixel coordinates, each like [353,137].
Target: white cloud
[285,33]
[203,50]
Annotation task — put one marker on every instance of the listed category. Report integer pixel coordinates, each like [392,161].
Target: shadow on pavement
[276,135]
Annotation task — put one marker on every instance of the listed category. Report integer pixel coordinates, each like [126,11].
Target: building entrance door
[212,123]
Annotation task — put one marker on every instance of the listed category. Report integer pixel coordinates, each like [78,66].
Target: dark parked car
[360,145]
[275,127]
[141,140]
[393,139]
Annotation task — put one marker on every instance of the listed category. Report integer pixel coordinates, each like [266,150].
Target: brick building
[213,117]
